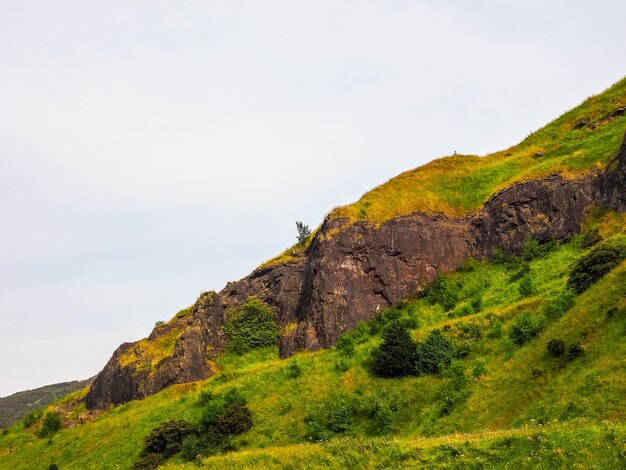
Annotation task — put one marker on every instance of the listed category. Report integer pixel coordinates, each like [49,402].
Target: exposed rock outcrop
[351,271]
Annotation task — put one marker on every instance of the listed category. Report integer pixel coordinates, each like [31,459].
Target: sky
[154,150]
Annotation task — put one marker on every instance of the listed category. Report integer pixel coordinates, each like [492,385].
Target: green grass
[519,404]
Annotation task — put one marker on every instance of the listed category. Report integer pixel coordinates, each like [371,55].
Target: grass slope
[502,404]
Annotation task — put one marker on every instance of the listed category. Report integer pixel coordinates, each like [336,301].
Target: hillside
[14,407]
[504,276]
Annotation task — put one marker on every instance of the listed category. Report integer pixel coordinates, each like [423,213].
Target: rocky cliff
[352,270]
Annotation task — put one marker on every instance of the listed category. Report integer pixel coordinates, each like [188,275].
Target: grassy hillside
[582,140]
[501,400]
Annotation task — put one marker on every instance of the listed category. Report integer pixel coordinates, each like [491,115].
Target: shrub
[205,397]
[51,424]
[496,328]
[532,248]
[442,291]
[252,326]
[575,350]
[342,364]
[556,347]
[559,304]
[341,410]
[396,355]
[500,258]
[480,368]
[166,439]
[520,272]
[294,369]
[526,327]
[191,448]
[315,429]
[346,344]
[592,266]
[148,462]
[236,420]
[31,418]
[53,466]
[590,238]
[455,391]
[477,303]
[526,286]
[434,353]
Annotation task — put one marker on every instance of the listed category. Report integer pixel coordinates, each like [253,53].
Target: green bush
[532,249]
[51,424]
[480,368]
[477,302]
[32,418]
[524,328]
[294,369]
[251,327]
[455,391]
[167,438]
[235,420]
[592,266]
[520,272]
[526,286]
[396,355]
[346,344]
[53,466]
[434,354]
[341,410]
[556,347]
[575,350]
[148,462]
[500,258]
[559,304]
[590,238]
[191,448]
[443,292]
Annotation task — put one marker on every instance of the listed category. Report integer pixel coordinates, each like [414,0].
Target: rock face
[201,339]
[351,271]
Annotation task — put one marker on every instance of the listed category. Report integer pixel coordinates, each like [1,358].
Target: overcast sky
[151,150]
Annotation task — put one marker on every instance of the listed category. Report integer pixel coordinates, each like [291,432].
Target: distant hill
[16,406]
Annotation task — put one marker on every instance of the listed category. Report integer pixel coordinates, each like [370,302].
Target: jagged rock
[351,271]
[201,339]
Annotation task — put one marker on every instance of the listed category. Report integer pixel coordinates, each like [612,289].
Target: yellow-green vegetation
[149,352]
[459,184]
[500,402]
[292,253]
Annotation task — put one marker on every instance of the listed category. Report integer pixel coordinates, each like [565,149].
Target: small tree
[396,355]
[303,232]
[434,354]
[51,424]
